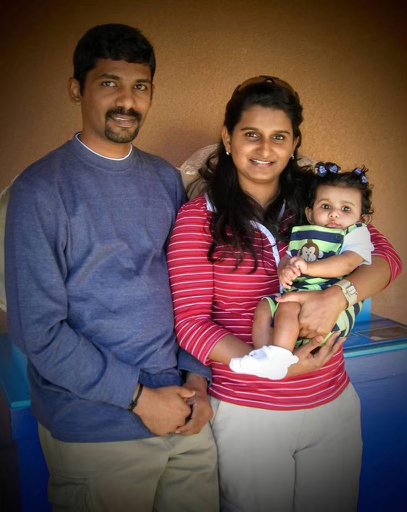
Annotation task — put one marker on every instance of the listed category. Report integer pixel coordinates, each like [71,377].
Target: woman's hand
[309,362]
[319,311]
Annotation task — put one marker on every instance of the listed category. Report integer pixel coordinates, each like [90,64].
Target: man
[89,302]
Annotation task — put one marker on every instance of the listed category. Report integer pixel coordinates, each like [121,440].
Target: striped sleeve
[384,249]
[191,278]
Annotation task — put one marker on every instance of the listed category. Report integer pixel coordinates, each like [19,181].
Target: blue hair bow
[323,169]
[361,173]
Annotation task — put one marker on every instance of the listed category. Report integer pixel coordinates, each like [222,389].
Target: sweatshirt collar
[109,164]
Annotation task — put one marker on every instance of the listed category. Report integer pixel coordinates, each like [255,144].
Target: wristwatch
[351,295]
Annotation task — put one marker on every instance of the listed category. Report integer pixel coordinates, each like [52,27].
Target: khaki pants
[284,461]
[161,474]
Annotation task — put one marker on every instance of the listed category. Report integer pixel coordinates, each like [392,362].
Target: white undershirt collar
[102,156]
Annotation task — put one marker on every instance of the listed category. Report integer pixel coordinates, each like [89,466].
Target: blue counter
[377,365]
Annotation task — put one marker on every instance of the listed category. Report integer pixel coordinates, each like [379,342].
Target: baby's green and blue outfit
[327,242]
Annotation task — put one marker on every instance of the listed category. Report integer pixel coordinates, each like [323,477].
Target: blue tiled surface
[359,340]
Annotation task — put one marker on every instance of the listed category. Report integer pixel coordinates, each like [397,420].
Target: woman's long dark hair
[231,226]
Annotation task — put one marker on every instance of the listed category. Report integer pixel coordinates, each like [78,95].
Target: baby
[335,243]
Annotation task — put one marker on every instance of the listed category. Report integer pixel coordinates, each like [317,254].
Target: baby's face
[336,207]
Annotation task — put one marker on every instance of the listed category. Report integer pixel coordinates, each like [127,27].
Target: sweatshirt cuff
[189,363]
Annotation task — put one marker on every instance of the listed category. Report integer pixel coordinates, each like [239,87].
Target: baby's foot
[267,362]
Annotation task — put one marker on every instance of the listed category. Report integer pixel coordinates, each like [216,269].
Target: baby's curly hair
[327,173]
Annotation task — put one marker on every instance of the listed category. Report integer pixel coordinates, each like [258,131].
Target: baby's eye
[346,209]
[325,206]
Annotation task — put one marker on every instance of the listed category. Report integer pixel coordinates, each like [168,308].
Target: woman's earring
[227,152]
[292,156]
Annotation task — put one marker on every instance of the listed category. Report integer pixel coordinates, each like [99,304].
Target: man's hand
[164,410]
[201,407]
[309,362]
[319,311]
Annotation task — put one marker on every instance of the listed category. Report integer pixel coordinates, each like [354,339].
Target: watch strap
[349,291]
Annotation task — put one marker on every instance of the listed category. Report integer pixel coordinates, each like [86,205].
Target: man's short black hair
[111,41]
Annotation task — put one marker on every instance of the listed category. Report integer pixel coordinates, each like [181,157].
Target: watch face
[351,295]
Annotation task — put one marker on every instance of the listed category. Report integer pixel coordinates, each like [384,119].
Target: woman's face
[261,145]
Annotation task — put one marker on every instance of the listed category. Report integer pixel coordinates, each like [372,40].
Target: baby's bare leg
[262,332]
[286,325]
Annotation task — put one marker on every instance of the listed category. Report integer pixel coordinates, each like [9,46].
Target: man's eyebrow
[110,76]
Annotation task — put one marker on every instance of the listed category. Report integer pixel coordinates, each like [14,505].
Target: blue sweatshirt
[88,294]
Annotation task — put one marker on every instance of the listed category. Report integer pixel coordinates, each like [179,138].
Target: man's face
[115,103]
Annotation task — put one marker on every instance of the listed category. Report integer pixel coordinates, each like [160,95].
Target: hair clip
[323,169]
[361,172]
[333,168]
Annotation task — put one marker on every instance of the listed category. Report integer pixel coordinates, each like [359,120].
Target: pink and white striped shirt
[212,300]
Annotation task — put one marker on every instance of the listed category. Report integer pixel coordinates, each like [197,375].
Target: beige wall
[346,59]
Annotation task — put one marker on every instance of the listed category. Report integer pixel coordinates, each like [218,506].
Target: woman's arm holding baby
[320,309]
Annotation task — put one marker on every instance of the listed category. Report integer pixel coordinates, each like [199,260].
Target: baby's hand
[300,263]
[288,273]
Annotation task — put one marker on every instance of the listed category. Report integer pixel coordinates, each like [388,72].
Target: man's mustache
[123,112]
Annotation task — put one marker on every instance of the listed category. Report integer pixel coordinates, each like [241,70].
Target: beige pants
[162,474]
[285,461]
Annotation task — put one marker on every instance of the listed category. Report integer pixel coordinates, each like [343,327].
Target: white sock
[267,362]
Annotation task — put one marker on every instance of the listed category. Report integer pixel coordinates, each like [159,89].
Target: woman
[293,444]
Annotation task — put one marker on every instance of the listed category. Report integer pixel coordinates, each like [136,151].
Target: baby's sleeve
[358,240]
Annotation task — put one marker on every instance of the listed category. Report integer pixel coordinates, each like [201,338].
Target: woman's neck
[264,194]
